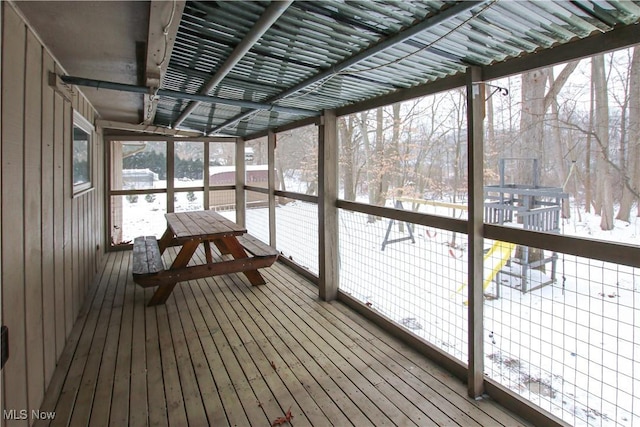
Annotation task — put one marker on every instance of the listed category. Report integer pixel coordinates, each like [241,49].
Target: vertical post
[240,182]
[2,389]
[171,173]
[327,210]
[271,160]
[114,182]
[205,177]
[475,116]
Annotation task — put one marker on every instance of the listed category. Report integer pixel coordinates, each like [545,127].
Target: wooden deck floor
[221,352]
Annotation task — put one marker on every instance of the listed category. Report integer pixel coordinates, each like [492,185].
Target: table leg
[207,252]
[184,256]
[238,252]
[165,240]
[222,247]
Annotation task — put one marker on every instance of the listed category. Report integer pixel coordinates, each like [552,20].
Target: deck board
[310,366]
[156,398]
[119,414]
[439,384]
[139,411]
[223,352]
[99,317]
[403,390]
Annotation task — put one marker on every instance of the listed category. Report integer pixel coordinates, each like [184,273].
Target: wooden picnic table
[239,252]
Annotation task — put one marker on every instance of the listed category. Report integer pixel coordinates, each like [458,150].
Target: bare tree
[535,103]
[348,146]
[588,193]
[633,137]
[604,195]
[368,153]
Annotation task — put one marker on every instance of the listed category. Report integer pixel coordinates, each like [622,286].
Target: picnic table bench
[241,252]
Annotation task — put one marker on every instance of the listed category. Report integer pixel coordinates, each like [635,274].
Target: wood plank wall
[51,242]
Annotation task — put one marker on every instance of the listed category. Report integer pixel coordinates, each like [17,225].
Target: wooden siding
[51,241]
[223,352]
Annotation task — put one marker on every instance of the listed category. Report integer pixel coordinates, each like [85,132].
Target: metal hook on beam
[502,90]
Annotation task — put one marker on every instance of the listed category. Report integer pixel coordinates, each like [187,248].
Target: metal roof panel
[311,38]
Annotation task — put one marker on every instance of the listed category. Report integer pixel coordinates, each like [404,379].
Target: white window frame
[83,124]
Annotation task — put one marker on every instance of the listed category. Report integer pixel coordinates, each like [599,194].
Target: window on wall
[82,154]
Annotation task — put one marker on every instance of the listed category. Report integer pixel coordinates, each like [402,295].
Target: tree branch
[625,178]
[559,83]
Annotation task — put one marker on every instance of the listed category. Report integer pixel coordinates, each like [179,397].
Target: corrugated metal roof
[313,37]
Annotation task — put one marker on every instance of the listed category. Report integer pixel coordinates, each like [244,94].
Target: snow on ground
[569,347]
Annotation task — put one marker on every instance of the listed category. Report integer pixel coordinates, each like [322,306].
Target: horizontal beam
[288,194]
[297,196]
[440,222]
[139,192]
[307,121]
[521,406]
[99,84]
[145,191]
[434,203]
[437,86]
[617,253]
[167,138]
[157,130]
[256,189]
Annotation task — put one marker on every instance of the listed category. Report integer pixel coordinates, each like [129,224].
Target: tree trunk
[348,156]
[532,134]
[605,196]
[368,153]
[630,172]
[533,109]
[588,191]
[634,125]
[381,171]
[559,166]
[550,101]
[370,162]
[394,155]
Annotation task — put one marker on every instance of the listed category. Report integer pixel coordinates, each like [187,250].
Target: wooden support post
[475,116]
[271,155]
[240,182]
[171,173]
[327,209]
[114,181]
[207,173]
